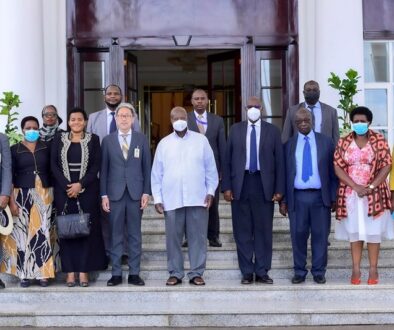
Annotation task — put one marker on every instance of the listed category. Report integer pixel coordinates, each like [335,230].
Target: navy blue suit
[309,210]
[252,207]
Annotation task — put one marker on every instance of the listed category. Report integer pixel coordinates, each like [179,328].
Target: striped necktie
[200,126]
[125,146]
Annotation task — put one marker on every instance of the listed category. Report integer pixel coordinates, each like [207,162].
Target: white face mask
[253,114]
[179,125]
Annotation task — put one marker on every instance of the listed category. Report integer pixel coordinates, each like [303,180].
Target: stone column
[248,73]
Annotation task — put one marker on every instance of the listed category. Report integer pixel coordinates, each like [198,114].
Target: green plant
[347,88]
[8,103]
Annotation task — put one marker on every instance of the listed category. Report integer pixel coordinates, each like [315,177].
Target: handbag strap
[64,212]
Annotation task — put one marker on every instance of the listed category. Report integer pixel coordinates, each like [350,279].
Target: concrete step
[219,303]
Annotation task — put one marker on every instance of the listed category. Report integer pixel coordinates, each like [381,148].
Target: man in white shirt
[184,179]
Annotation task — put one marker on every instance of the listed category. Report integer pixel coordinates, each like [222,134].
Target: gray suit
[98,124]
[124,182]
[217,141]
[329,124]
[5,168]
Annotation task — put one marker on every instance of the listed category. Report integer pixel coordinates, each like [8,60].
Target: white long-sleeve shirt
[184,171]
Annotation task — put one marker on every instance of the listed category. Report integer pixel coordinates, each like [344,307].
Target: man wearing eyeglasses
[125,190]
[324,117]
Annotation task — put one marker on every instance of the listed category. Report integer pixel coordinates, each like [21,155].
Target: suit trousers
[309,217]
[125,213]
[213,221]
[195,220]
[252,227]
[106,231]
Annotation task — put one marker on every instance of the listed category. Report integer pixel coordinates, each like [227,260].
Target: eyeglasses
[50,115]
[124,116]
[253,106]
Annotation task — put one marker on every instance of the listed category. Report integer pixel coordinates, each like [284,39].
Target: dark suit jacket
[118,174]
[214,134]
[325,153]
[329,124]
[272,165]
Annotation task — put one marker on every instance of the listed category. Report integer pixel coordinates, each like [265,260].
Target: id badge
[137,152]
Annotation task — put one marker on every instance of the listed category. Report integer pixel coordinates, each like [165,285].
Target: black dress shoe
[135,280]
[2,285]
[265,279]
[25,283]
[247,279]
[184,244]
[215,242]
[297,279]
[114,280]
[319,279]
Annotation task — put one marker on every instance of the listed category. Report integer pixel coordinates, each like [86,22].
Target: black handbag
[71,226]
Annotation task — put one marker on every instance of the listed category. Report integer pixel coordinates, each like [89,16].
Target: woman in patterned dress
[27,251]
[75,162]
[362,163]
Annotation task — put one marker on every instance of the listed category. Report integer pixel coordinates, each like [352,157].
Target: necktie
[306,161]
[112,126]
[125,146]
[199,125]
[253,151]
[311,107]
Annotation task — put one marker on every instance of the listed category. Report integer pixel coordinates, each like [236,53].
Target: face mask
[32,135]
[360,128]
[311,97]
[253,114]
[179,125]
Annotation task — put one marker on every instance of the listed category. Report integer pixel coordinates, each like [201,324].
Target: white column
[331,40]
[21,57]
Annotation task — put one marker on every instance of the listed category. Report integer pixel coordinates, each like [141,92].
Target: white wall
[330,40]
[33,55]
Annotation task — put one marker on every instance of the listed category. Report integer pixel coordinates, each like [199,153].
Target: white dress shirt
[257,127]
[204,119]
[183,171]
[318,115]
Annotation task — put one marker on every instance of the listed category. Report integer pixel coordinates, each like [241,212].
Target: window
[379,85]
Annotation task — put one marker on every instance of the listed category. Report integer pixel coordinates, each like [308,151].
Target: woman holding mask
[51,122]
[75,162]
[362,162]
[27,250]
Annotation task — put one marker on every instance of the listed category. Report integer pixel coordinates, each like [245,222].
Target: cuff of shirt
[211,192]
[104,196]
[157,199]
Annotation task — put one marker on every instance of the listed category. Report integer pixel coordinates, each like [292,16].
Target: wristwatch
[371,186]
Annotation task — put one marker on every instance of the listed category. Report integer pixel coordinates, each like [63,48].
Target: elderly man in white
[184,179]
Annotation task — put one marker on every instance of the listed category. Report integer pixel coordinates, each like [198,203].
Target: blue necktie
[306,161]
[253,151]
[112,126]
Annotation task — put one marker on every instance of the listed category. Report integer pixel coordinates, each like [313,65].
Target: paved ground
[337,327]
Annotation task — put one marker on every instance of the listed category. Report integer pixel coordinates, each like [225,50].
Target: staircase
[223,302]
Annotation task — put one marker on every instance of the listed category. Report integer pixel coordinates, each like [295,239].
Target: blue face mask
[32,135]
[360,128]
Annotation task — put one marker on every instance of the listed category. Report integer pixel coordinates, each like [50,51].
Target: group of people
[102,165]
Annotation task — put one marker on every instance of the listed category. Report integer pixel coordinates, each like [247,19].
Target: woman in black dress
[75,162]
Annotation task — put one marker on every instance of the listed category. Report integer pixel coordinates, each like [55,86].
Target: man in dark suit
[125,189]
[212,127]
[310,195]
[324,117]
[253,179]
[5,178]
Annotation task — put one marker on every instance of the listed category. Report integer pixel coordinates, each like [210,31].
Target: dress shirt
[183,171]
[257,127]
[314,181]
[203,119]
[121,140]
[109,119]
[317,114]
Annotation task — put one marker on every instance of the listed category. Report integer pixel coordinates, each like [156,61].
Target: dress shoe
[297,279]
[135,280]
[43,283]
[2,285]
[184,244]
[215,242]
[247,279]
[25,283]
[372,281]
[114,280]
[197,280]
[265,279]
[319,279]
[172,281]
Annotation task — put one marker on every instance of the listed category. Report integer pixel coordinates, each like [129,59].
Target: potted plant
[347,88]
[8,103]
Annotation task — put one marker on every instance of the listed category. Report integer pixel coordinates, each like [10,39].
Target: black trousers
[213,220]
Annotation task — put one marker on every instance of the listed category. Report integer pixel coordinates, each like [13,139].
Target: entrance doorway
[158,80]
